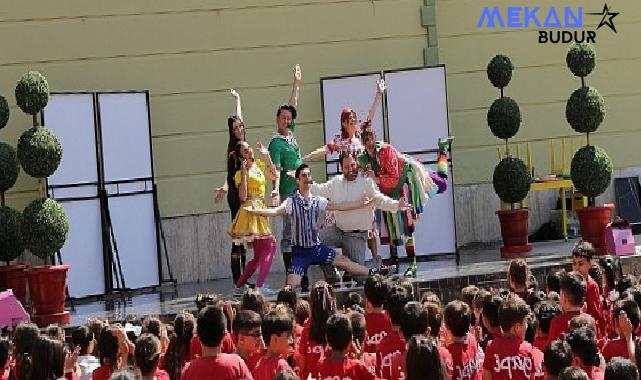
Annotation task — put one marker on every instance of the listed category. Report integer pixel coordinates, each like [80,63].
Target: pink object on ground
[619,238]
[11,310]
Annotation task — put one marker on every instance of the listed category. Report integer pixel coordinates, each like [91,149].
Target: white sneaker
[238,292]
[266,291]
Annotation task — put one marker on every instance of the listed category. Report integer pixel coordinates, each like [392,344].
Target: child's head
[517,274]
[322,305]
[434,317]
[625,283]
[477,305]
[621,369]
[582,257]
[468,295]
[354,301]
[287,296]
[423,359]
[277,329]
[394,303]
[512,316]
[583,320]
[414,320]
[572,291]
[631,309]
[553,281]
[151,325]
[556,357]
[301,312]
[204,300]
[48,359]
[609,273]
[359,327]
[286,375]
[247,330]
[573,373]
[597,274]
[458,317]
[544,312]
[376,290]
[339,332]
[584,347]
[430,296]
[211,326]
[83,338]
[56,332]
[147,353]
[108,347]
[490,312]
[253,300]
[409,286]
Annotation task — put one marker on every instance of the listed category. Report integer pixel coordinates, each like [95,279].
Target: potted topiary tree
[511,177]
[591,168]
[44,221]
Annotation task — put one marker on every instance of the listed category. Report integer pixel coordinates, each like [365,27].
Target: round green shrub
[32,92]
[591,170]
[4,112]
[581,59]
[39,152]
[499,71]
[44,227]
[9,166]
[585,110]
[504,117]
[511,180]
[11,245]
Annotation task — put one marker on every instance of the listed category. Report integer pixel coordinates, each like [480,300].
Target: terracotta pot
[514,231]
[15,277]
[593,221]
[47,286]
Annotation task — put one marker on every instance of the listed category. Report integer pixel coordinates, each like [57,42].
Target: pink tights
[264,250]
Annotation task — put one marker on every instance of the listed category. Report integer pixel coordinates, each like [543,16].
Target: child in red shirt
[544,312]
[467,357]
[585,353]
[277,329]
[378,323]
[249,340]
[423,359]
[339,365]
[147,355]
[392,344]
[619,346]
[572,296]
[517,275]
[490,318]
[359,335]
[509,356]
[582,262]
[213,364]
[313,346]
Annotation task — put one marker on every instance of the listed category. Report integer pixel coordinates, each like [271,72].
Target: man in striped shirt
[306,210]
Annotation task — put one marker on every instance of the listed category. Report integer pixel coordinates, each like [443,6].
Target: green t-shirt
[285,153]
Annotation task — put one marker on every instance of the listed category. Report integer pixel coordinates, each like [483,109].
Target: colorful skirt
[248,226]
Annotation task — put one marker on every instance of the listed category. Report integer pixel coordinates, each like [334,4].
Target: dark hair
[573,285]
[557,356]
[434,317]
[56,332]
[584,345]
[275,323]
[583,249]
[301,313]
[286,375]
[287,107]
[204,300]
[236,160]
[582,320]
[596,273]
[607,264]
[409,286]
[430,296]
[47,359]
[147,353]
[631,309]
[491,310]
[468,294]
[95,326]
[423,361]
[108,347]
[178,348]
[573,373]
[376,290]
[300,168]
[211,326]
[232,162]
[621,369]
[544,312]
[553,281]
[287,296]
[253,300]
[5,352]
[151,325]
[359,327]
[512,311]
[394,303]
[414,320]
[339,332]
[354,299]
[343,155]
[323,306]
[457,317]
[518,272]
[246,320]
[82,337]
[625,283]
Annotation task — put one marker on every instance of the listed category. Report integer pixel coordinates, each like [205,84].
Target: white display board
[134,227]
[83,248]
[356,92]
[71,118]
[126,143]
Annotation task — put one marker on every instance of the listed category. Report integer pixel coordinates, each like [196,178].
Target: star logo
[607,18]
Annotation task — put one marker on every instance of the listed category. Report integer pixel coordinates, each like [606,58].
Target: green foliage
[4,112]
[39,152]
[591,170]
[585,110]
[45,227]
[499,71]
[32,92]
[9,166]
[11,244]
[504,117]
[581,59]
[511,180]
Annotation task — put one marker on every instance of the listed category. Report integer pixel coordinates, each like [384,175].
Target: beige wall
[188,54]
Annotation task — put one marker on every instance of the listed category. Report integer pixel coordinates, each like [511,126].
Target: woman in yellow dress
[248,228]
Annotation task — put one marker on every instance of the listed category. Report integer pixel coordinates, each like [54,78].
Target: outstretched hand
[234,93]
[220,194]
[298,74]
[366,201]
[380,86]
[261,148]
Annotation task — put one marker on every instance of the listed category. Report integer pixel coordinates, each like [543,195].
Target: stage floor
[480,265]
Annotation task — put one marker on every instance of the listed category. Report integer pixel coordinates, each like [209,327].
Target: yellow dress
[248,226]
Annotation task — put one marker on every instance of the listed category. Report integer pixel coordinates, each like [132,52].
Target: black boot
[236,268]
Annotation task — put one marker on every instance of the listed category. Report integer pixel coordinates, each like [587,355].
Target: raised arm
[239,109]
[242,181]
[298,76]
[317,154]
[347,206]
[273,174]
[380,89]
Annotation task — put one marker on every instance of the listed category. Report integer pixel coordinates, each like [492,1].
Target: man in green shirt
[285,154]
